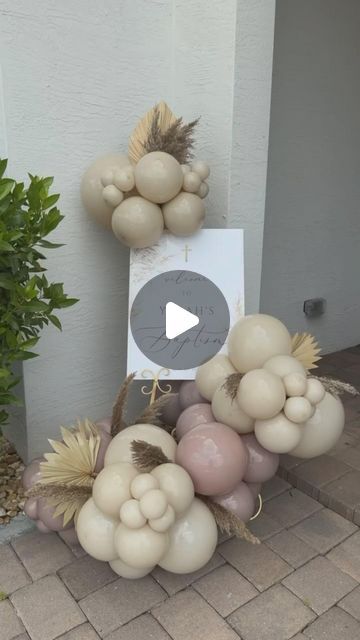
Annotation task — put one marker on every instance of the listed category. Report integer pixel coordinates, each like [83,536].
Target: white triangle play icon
[178,320]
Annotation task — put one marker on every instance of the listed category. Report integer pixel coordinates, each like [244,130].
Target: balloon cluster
[153,188]
[137,520]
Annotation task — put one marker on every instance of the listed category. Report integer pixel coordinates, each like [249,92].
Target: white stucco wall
[77,75]
[312,228]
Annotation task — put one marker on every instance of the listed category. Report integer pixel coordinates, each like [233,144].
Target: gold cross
[186,250]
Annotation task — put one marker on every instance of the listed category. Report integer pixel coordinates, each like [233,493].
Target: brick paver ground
[301,583]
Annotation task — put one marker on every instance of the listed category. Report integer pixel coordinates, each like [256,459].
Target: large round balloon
[193,539]
[112,487]
[228,411]
[239,501]
[119,449]
[261,394]
[192,417]
[262,464]
[214,456]
[125,571]
[92,185]
[321,432]
[254,339]
[189,395]
[212,374]
[96,532]
[278,434]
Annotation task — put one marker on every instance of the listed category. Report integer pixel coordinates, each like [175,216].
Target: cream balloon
[193,539]
[137,222]
[177,485]
[112,195]
[203,190]
[298,409]
[184,214]
[119,449]
[315,391]
[96,532]
[228,412]
[140,548]
[278,434]
[153,504]
[112,487]
[322,431]
[124,178]
[283,365]
[142,483]
[92,186]
[125,571]
[192,182]
[131,516]
[254,339]
[212,374]
[201,168]
[295,384]
[165,522]
[261,394]
[158,177]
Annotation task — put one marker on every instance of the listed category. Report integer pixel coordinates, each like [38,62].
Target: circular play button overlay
[179,319]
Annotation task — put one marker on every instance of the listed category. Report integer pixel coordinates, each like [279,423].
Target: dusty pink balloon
[189,395]
[104,426]
[46,515]
[70,536]
[262,463]
[32,473]
[255,488]
[214,456]
[171,410]
[42,527]
[31,508]
[239,501]
[192,417]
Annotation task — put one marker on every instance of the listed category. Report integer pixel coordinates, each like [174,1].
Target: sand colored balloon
[140,548]
[119,449]
[262,464]
[201,168]
[92,186]
[321,432]
[192,417]
[298,409]
[165,521]
[184,214]
[96,532]
[192,182]
[229,412]
[124,179]
[212,374]
[283,365]
[176,484]
[153,504]
[261,394]
[193,539]
[278,434]
[254,339]
[142,483]
[112,487]
[125,571]
[315,391]
[131,515]
[295,384]
[137,222]
[158,177]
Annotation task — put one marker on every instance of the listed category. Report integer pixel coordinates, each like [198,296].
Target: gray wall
[312,221]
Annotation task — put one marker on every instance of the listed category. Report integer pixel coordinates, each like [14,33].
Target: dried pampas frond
[231,385]
[337,387]
[229,522]
[67,500]
[118,415]
[147,456]
[177,140]
[141,132]
[152,412]
[74,460]
[306,349]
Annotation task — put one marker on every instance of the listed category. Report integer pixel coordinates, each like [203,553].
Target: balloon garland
[157,185]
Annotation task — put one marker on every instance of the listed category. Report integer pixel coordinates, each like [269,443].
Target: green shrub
[27,300]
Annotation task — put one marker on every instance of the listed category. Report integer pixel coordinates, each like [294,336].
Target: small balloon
[192,417]
[278,434]
[189,395]
[239,501]
[261,394]
[228,411]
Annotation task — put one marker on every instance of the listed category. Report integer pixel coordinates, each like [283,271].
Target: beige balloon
[261,394]
[322,431]
[201,168]
[142,483]
[153,504]
[203,190]
[158,176]
[184,214]
[124,178]
[112,487]
[283,365]
[119,449]
[295,384]
[165,522]
[137,223]
[315,391]
[278,434]
[228,412]
[125,571]
[177,485]
[130,514]
[212,374]
[112,195]
[298,409]
[96,532]
[92,186]
[192,182]
[140,548]
[193,539]
[256,338]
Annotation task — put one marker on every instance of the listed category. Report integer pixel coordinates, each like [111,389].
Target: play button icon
[178,320]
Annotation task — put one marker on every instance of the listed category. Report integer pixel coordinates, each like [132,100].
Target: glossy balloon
[158,177]
[176,484]
[261,394]
[262,465]
[184,214]
[212,374]
[192,417]
[119,449]
[137,222]
[96,532]
[239,501]
[229,412]
[112,487]
[278,434]
[214,457]
[140,548]
[322,431]
[46,515]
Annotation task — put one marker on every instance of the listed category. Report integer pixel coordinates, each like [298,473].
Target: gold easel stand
[155,386]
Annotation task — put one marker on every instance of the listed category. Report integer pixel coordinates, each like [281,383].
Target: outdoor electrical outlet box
[314,307]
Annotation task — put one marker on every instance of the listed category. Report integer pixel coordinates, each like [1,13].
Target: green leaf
[55,321]
[5,246]
[5,187]
[50,201]
[3,165]
[49,245]
[25,355]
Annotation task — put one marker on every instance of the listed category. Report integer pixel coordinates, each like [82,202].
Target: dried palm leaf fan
[305,348]
[141,132]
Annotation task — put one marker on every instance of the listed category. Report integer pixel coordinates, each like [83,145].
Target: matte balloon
[42,527]
[32,474]
[212,374]
[214,456]
[256,338]
[140,548]
[176,484]
[96,532]
[192,417]
[254,487]
[105,424]
[322,431]
[184,214]
[189,395]
[295,384]
[262,464]
[137,222]
[112,487]
[31,508]
[261,394]
[193,539]
[283,365]
[298,409]
[171,410]
[119,449]
[239,501]
[278,434]
[165,521]
[131,515]
[125,571]
[153,504]
[92,186]
[315,391]
[46,515]
[158,176]
[228,411]
[143,483]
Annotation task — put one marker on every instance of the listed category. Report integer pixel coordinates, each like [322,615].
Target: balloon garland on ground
[157,185]
[140,496]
